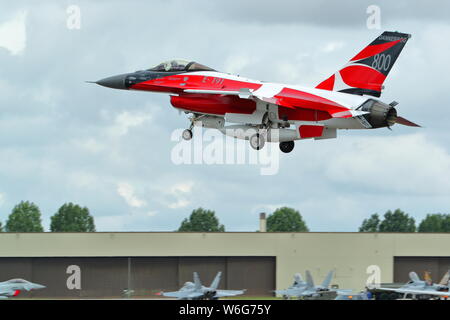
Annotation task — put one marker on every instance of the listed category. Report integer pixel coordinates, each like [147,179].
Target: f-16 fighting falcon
[301,288]
[13,287]
[416,287]
[196,291]
[263,111]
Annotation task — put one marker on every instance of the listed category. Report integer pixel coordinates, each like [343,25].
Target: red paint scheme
[363,77]
[180,82]
[302,105]
[304,100]
[213,103]
[302,114]
[327,84]
[307,131]
[374,49]
[16,293]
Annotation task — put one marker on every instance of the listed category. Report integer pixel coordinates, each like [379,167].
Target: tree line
[26,217]
[287,219]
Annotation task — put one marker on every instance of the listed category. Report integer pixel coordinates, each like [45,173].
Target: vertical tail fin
[327,282]
[298,278]
[197,283]
[309,280]
[366,72]
[427,277]
[414,277]
[445,279]
[216,281]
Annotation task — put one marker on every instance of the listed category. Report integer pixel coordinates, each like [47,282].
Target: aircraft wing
[291,99]
[423,292]
[228,293]
[5,293]
[290,292]
[182,294]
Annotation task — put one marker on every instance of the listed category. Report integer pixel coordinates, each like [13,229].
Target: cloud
[126,191]
[178,195]
[13,33]
[2,198]
[410,164]
[126,120]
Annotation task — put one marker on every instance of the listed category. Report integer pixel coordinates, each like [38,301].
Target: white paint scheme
[254,118]
[328,133]
[268,90]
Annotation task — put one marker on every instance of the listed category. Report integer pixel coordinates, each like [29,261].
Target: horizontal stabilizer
[405,122]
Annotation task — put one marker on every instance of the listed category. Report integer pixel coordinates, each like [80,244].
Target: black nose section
[115,82]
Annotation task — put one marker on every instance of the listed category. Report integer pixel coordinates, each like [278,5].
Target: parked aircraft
[262,111]
[307,289]
[196,291]
[417,287]
[13,287]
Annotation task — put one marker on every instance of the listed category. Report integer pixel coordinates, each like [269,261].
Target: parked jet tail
[216,281]
[197,283]
[414,277]
[366,72]
[445,281]
[327,282]
[309,280]
[298,278]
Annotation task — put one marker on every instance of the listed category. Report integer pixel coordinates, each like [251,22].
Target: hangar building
[105,264]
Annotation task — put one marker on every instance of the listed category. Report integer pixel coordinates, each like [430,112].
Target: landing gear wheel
[257,141]
[187,134]
[287,146]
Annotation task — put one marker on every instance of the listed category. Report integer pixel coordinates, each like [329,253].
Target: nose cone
[115,82]
[39,286]
[35,286]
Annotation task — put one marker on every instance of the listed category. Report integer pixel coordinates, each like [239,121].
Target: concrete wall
[348,253]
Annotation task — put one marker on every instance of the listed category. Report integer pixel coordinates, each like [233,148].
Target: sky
[65,140]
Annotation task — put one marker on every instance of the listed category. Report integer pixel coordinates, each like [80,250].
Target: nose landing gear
[187,134]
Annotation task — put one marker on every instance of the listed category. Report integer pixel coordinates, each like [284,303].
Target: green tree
[286,220]
[72,218]
[201,220]
[371,225]
[435,223]
[397,221]
[1,227]
[25,217]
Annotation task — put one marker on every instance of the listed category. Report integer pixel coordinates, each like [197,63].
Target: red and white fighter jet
[265,111]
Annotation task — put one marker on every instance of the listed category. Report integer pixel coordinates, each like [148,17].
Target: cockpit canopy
[17,281]
[180,65]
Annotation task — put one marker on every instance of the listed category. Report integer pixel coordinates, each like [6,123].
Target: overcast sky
[64,140]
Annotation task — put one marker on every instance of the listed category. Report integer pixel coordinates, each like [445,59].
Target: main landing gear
[287,146]
[257,141]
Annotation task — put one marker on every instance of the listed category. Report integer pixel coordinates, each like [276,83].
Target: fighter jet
[196,291]
[13,287]
[416,287]
[261,111]
[307,289]
[299,285]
